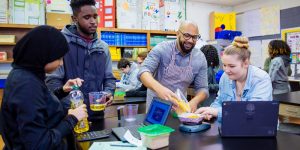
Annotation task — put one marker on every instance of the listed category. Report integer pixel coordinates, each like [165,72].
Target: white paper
[131,139]
[256,53]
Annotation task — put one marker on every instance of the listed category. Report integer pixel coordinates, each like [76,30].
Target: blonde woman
[241,81]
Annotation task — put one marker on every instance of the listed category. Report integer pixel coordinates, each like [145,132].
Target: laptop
[249,118]
[157,114]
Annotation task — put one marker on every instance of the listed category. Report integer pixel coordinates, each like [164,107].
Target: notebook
[157,114]
[249,118]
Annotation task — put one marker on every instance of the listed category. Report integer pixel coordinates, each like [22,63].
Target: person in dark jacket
[32,117]
[212,58]
[88,58]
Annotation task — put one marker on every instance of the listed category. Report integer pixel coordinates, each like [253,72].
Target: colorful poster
[150,15]
[171,14]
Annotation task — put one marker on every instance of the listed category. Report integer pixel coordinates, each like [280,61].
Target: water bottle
[77,100]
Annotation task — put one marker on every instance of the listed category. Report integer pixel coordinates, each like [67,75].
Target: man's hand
[72,82]
[194,105]
[166,94]
[109,100]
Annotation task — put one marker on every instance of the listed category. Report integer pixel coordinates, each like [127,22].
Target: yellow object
[97,107]
[115,53]
[82,126]
[183,107]
[193,116]
[217,19]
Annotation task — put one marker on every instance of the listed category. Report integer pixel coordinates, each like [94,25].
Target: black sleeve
[59,93]
[30,107]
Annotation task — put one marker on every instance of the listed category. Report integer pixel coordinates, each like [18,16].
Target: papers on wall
[256,53]
[150,15]
[129,14]
[58,6]
[259,22]
[270,20]
[293,40]
[4,11]
[26,12]
[171,14]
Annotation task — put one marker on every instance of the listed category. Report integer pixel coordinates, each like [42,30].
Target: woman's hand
[208,112]
[72,82]
[79,112]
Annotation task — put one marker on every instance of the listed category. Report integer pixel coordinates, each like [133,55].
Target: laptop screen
[158,112]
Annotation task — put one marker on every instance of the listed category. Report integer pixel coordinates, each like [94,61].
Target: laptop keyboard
[134,131]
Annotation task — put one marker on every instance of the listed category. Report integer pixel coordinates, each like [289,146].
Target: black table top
[292,98]
[130,100]
[207,140]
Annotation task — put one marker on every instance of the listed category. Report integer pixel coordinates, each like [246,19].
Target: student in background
[129,79]
[34,118]
[176,65]
[279,53]
[241,81]
[212,58]
[267,66]
[141,57]
[88,58]
[141,91]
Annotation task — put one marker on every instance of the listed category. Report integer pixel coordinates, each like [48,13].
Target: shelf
[128,46]
[162,32]
[6,61]
[123,30]
[21,26]
[7,43]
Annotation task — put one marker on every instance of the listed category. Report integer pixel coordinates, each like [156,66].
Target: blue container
[2,83]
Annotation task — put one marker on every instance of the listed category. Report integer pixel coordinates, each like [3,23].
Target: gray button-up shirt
[160,57]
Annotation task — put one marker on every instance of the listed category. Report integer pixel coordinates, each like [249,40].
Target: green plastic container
[155,136]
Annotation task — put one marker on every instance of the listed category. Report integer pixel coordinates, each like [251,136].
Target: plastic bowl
[190,118]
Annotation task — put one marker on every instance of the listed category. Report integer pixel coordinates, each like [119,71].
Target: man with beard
[88,59]
[176,65]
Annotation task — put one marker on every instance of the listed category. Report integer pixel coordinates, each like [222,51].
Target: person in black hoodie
[32,117]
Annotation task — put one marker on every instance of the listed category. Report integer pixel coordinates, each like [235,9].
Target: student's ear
[74,19]
[246,63]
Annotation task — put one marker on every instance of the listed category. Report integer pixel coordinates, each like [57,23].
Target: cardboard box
[58,20]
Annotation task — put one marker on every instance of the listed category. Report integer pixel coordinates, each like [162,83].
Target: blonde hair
[240,47]
[142,54]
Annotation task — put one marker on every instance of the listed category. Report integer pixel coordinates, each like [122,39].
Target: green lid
[75,87]
[155,130]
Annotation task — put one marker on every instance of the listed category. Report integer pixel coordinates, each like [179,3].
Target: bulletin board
[292,37]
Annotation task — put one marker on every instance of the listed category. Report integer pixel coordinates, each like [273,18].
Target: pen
[122,145]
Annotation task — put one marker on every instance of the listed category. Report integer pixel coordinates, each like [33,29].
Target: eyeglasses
[187,36]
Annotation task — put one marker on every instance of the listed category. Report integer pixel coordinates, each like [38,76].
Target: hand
[166,94]
[193,105]
[71,82]
[109,100]
[208,112]
[79,112]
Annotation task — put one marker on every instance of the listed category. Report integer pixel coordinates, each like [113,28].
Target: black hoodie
[32,117]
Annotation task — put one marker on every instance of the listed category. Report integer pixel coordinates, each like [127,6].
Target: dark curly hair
[211,55]
[123,63]
[77,4]
[278,47]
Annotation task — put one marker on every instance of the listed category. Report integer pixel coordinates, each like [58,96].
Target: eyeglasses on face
[187,36]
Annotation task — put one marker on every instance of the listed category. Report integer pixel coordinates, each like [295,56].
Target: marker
[122,145]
